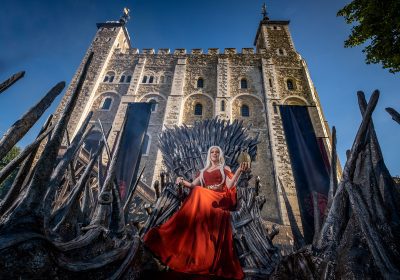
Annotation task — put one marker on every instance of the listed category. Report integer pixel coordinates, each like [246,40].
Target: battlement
[180,52]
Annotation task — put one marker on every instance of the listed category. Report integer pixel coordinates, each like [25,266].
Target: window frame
[155,104]
[292,86]
[196,106]
[200,81]
[242,108]
[243,81]
[104,101]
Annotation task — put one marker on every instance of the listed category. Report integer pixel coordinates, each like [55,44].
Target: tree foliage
[379,27]
[3,162]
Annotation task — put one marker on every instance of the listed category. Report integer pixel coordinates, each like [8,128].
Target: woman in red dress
[198,239]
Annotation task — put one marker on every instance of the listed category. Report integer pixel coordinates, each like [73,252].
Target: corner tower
[288,86]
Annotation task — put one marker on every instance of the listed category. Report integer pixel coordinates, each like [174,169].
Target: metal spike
[10,81]
[21,127]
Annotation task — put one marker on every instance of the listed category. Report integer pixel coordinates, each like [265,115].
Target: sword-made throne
[184,151]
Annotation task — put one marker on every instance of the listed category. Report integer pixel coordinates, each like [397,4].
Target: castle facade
[186,86]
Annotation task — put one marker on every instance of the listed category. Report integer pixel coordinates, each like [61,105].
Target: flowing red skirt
[197,239]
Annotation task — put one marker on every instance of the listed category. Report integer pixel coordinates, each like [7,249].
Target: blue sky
[48,39]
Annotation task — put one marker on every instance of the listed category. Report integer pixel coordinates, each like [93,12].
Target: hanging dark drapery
[308,164]
[135,128]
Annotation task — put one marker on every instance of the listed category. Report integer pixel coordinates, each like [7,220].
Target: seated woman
[198,239]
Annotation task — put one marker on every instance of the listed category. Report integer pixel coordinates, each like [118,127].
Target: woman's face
[214,155]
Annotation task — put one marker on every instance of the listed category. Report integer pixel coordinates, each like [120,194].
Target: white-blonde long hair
[207,165]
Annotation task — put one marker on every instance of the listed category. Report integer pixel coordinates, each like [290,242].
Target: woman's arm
[230,182]
[187,184]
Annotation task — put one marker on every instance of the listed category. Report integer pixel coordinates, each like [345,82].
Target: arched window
[270,82]
[153,105]
[290,85]
[169,79]
[245,111]
[151,79]
[106,104]
[243,83]
[145,145]
[128,79]
[223,105]
[122,80]
[144,80]
[198,109]
[109,77]
[162,79]
[200,83]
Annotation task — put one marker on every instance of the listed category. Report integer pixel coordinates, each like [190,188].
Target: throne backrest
[184,148]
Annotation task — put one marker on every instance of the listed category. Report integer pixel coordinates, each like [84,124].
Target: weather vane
[264,10]
[125,16]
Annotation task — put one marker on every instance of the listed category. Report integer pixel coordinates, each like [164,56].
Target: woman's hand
[244,166]
[179,180]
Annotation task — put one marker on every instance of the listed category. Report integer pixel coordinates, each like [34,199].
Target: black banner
[309,168]
[134,131]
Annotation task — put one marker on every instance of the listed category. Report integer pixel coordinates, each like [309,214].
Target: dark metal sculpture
[52,225]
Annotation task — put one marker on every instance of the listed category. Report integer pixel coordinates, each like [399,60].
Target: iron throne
[184,151]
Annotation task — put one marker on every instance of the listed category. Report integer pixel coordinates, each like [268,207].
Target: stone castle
[186,86]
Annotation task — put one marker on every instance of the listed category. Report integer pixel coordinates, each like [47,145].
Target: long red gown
[198,239]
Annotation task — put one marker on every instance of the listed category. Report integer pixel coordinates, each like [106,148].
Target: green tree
[379,27]
[4,187]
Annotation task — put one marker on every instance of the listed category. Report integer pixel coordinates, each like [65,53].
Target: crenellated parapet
[196,51]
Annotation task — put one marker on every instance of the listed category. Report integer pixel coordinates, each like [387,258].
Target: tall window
[109,77]
[144,80]
[145,144]
[243,83]
[222,105]
[128,79]
[153,105]
[270,82]
[122,80]
[280,51]
[162,79]
[151,79]
[198,109]
[106,104]
[200,83]
[290,85]
[245,111]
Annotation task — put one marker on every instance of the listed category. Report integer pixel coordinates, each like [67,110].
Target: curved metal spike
[21,127]
[394,114]
[10,81]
